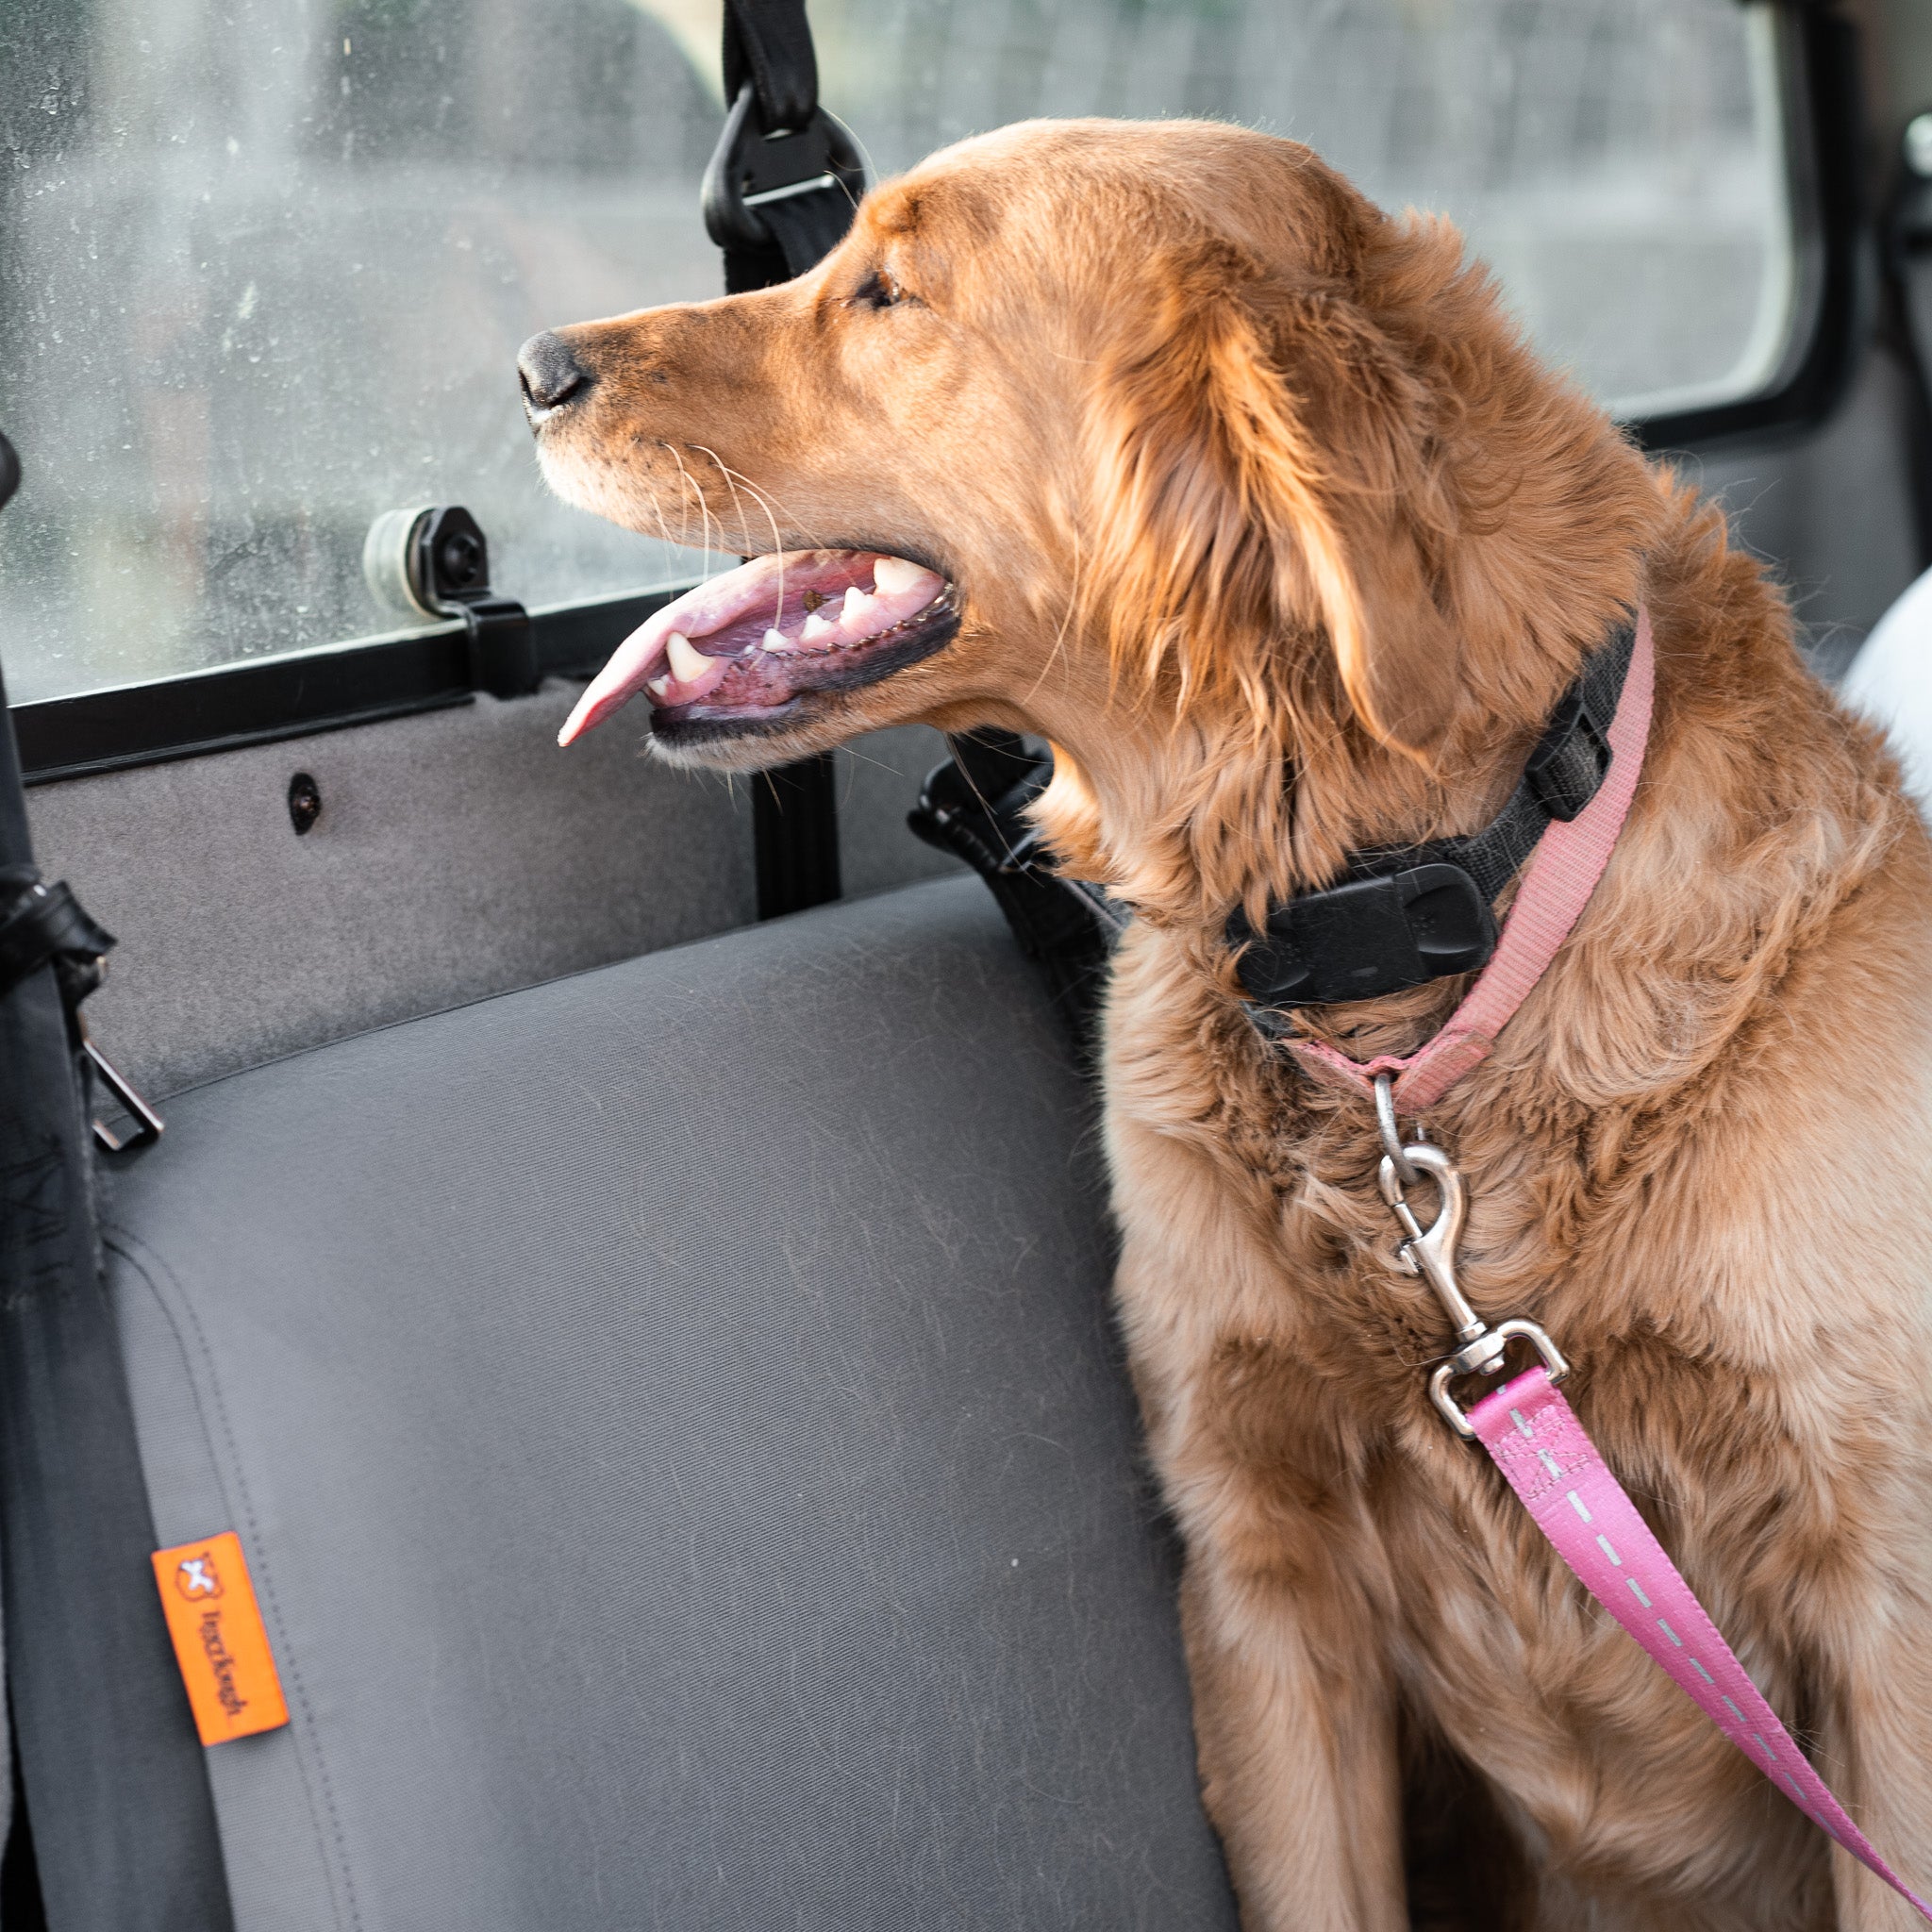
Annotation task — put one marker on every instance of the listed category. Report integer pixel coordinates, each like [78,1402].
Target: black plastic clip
[1572,758]
[975,806]
[1366,938]
[449,572]
[48,923]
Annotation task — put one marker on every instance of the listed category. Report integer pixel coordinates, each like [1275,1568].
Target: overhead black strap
[975,806]
[785,176]
[113,1777]
[767,44]
[778,195]
[1401,916]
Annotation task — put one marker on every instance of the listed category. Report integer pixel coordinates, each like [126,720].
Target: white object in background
[1890,682]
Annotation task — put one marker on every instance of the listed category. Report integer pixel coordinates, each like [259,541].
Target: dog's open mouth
[746,650]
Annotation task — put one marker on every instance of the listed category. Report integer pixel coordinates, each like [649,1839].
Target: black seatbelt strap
[112,1774]
[785,177]
[778,195]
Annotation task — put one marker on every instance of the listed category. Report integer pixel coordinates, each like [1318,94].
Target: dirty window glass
[264,264]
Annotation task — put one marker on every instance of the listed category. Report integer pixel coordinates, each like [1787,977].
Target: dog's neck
[1184,818]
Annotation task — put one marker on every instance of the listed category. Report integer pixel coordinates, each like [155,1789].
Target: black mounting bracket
[448,560]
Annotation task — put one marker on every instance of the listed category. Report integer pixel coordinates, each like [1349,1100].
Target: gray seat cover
[674,1424]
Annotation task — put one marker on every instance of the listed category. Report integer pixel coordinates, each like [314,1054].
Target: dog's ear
[1261,465]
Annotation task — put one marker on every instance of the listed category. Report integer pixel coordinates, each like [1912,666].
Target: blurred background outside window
[265,264]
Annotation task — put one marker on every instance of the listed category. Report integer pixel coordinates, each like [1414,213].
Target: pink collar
[1556,885]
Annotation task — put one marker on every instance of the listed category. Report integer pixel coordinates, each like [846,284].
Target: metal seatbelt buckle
[148,1125]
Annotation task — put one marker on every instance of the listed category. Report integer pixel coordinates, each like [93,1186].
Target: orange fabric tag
[219,1639]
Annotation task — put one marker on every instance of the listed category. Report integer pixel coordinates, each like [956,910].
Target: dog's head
[1103,429]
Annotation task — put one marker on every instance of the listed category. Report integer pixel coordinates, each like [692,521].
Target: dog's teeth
[895,575]
[688,664]
[859,606]
[776,641]
[659,685]
[815,626]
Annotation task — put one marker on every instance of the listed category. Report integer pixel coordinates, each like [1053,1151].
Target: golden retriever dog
[1162,443]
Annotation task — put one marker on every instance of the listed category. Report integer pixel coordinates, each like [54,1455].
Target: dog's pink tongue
[630,668]
[705,608]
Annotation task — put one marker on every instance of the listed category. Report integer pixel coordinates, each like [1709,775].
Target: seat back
[676,1428]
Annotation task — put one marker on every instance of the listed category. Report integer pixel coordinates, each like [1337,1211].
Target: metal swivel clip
[1430,1252]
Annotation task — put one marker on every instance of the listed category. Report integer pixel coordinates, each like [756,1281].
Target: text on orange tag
[219,1639]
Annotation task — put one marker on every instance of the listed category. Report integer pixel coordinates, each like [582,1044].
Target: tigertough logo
[196,1578]
[221,1662]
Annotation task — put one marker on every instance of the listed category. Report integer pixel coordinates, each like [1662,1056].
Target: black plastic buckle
[751,168]
[981,817]
[1366,938]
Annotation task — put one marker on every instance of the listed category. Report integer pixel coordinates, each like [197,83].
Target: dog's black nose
[551,375]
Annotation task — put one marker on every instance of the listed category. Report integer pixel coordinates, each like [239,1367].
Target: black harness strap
[778,195]
[114,1777]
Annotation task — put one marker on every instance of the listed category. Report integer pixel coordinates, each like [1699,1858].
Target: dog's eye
[878,290]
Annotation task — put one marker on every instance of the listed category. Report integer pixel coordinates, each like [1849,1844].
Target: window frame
[1822,112]
[333,687]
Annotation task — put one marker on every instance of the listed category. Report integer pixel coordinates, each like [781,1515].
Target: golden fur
[1238,476]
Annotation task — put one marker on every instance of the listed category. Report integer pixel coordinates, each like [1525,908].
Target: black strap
[114,1779]
[975,806]
[42,926]
[781,186]
[795,818]
[778,195]
[1401,916]
[767,44]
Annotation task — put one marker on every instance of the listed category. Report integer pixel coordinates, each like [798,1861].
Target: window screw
[462,559]
[304,802]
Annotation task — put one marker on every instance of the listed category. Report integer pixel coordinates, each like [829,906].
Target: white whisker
[759,496]
[865,152]
[1060,635]
[704,509]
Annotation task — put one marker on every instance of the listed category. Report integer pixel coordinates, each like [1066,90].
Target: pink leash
[1532,1433]
[1540,1446]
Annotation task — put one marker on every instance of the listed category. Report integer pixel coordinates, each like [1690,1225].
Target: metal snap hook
[1430,1252]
